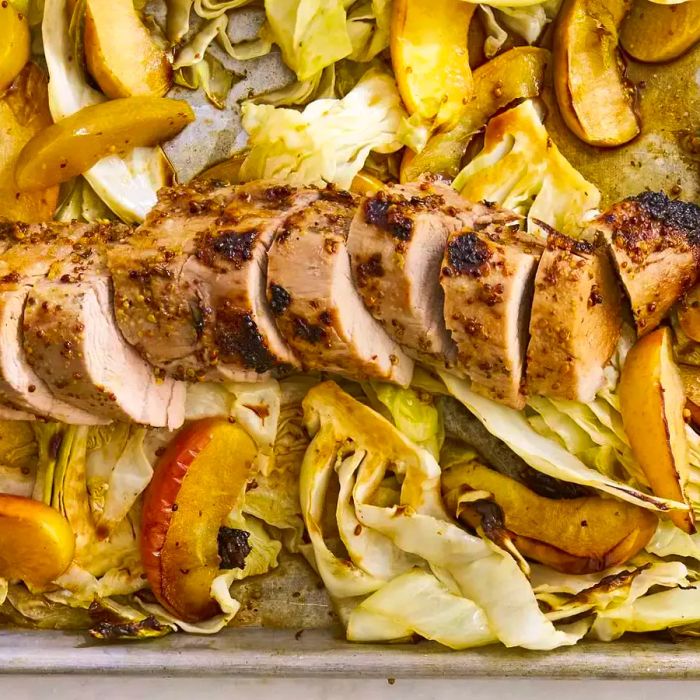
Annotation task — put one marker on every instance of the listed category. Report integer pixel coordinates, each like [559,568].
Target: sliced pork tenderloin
[192,299]
[22,265]
[655,244]
[73,343]
[488,276]
[316,305]
[575,322]
[396,243]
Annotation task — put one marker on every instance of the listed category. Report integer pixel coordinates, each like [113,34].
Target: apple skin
[652,402]
[196,483]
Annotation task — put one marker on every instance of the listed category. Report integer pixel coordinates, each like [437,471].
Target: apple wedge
[656,33]
[36,541]
[197,482]
[24,112]
[571,535]
[14,47]
[73,145]
[120,52]
[594,97]
[430,57]
[652,402]
[689,314]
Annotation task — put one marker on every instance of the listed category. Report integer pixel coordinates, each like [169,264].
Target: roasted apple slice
[513,75]
[74,144]
[652,403]
[120,52]
[14,47]
[595,99]
[36,541]
[689,314]
[575,536]
[656,33]
[430,57]
[196,483]
[24,111]
[365,184]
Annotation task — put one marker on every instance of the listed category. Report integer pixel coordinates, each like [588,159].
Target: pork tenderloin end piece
[316,304]
[575,322]
[396,242]
[23,264]
[488,277]
[655,245]
[73,343]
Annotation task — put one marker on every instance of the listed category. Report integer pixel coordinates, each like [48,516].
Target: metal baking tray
[291,597]
[268,652]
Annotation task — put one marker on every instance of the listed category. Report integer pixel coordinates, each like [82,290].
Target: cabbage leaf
[329,140]
[521,169]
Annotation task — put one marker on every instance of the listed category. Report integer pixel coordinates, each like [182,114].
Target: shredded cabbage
[18,458]
[329,140]
[126,185]
[521,169]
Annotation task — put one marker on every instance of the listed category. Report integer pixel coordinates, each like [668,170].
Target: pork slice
[575,322]
[153,305]
[316,304]
[655,245]
[488,276]
[22,265]
[198,310]
[397,242]
[73,342]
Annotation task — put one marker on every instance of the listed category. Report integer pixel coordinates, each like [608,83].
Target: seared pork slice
[195,305]
[488,277]
[316,305]
[72,341]
[655,244]
[575,322]
[396,243]
[23,264]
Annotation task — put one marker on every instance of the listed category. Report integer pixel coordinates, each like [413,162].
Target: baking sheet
[292,597]
[257,652]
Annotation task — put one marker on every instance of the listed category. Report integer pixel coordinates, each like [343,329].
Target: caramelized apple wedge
[36,541]
[430,57]
[689,314]
[575,536]
[365,184]
[24,112]
[594,97]
[652,401]
[73,145]
[197,482]
[513,75]
[656,33]
[14,46]
[120,52]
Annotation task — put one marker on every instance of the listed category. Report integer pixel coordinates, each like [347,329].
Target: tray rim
[322,653]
